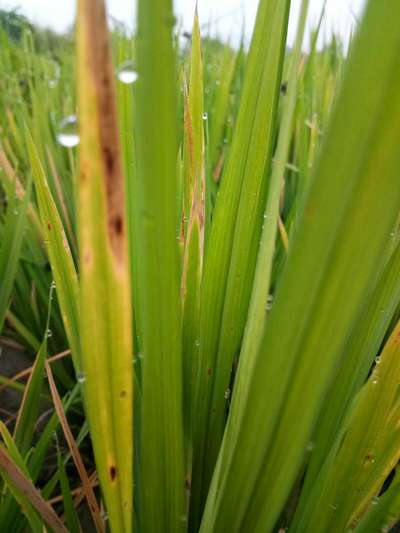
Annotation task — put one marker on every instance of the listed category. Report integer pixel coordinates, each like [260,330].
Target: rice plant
[200,276]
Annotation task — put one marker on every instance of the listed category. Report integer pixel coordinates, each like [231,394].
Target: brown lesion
[100,64]
[113,472]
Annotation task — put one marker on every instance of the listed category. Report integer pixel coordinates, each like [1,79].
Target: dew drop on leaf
[127,73]
[68,135]
[81,377]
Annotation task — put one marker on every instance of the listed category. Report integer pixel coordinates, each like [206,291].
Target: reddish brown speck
[113,473]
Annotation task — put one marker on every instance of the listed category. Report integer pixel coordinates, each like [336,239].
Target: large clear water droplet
[68,135]
[126,73]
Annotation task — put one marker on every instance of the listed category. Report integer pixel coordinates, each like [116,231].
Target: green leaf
[334,257]
[162,505]
[105,293]
[10,250]
[364,453]
[233,242]
[71,516]
[61,261]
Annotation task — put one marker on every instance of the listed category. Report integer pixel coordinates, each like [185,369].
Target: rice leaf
[106,334]
[232,243]
[365,451]
[61,261]
[162,504]
[334,257]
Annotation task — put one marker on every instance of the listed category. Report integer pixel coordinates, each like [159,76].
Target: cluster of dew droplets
[68,132]
[126,73]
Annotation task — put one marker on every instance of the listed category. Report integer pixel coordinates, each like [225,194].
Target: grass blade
[26,493]
[335,256]
[106,336]
[61,261]
[364,453]
[232,243]
[161,445]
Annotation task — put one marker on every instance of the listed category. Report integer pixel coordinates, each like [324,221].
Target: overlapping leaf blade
[105,306]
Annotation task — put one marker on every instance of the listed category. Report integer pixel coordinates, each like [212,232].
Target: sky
[227,16]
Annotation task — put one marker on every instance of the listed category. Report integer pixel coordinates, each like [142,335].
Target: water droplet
[54,75]
[227,394]
[377,360]
[140,356]
[15,211]
[49,333]
[183,518]
[68,135]
[265,216]
[53,285]
[270,299]
[135,360]
[81,377]
[374,381]
[310,446]
[375,500]
[333,506]
[205,116]
[126,73]
[369,460]
[197,342]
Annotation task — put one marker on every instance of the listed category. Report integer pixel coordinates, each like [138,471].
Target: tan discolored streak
[98,59]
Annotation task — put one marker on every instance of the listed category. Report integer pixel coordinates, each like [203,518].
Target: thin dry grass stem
[78,493]
[89,494]
[11,343]
[27,371]
[25,486]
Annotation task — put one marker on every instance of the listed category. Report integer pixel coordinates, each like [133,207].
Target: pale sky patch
[226,17]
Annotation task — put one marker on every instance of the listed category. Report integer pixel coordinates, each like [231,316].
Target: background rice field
[199,275]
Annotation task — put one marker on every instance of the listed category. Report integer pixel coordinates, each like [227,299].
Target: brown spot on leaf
[87,257]
[113,472]
[118,224]
[98,57]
